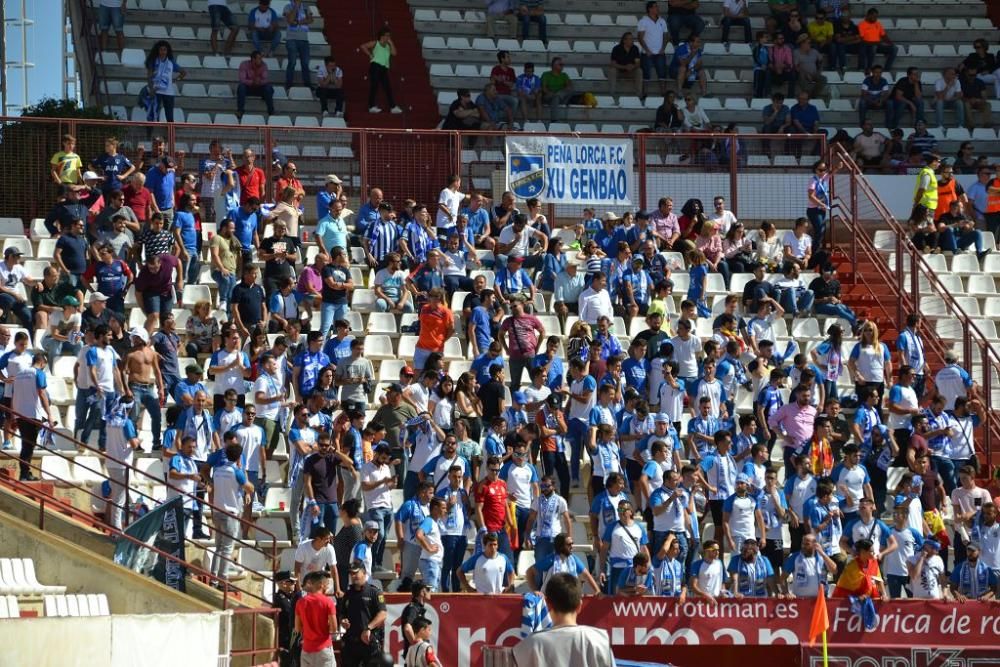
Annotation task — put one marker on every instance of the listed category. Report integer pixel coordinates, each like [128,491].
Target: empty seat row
[81,604]
[17,577]
[627,20]
[9,607]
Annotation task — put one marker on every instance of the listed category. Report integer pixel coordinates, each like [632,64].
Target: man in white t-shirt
[122,443]
[232,491]
[515,241]
[652,38]
[317,555]
[565,643]
[105,380]
[948,93]
[798,244]
[723,218]
[449,202]
[378,479]
[269,397]
[522,483]
[390,287]
[491,571]
[253,461]
[12,362]
[230,366]
[926,569]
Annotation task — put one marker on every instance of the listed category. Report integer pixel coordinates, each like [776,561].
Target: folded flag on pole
[820,622]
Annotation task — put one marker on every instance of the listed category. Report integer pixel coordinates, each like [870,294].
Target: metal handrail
[911,298]
[132,470]
[96,55]
[33,492]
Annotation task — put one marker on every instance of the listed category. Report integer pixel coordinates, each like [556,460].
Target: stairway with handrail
[42,492]
[890,292]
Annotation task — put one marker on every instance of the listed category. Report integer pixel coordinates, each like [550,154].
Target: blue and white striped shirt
[383,236]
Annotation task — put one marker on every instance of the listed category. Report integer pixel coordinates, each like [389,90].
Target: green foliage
[50,107]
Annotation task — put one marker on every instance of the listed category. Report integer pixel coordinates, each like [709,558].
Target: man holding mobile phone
[966,499]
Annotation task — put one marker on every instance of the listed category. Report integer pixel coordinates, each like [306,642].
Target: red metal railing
[859,209]
[131,474]
[405,164]
[47,502]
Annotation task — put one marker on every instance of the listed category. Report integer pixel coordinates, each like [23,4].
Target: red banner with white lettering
[463,624]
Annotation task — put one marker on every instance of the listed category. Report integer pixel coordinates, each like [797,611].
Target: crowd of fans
[789,58]
[680,417]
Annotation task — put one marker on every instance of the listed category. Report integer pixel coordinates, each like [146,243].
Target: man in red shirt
[251,178]
[316,621]
[138,198]
[503,77]
[491,498]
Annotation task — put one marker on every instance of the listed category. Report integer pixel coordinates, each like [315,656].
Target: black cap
[169,161]
[395,386]
[356,566]
[642,215]
[284,575]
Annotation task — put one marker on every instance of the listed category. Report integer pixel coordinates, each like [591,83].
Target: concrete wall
[81,570]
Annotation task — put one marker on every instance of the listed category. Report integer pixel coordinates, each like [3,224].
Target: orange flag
[820,622]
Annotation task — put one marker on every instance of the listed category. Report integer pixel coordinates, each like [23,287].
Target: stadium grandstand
[380,332]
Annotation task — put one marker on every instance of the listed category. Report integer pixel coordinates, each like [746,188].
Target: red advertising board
[463,624]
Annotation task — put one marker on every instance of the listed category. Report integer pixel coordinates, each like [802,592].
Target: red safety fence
[405,164]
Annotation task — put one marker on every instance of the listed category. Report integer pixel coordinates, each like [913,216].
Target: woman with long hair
[690,222]
[770,251]
[578,343]
[738,250]
[870,362]
[710,244]
[326,387]
[698,287]
[467,404]
[380,52]
[829,357]
[965,160]
[553,264]
[202,330]
[162,71]
[443,402]
[255,346]
[468,448]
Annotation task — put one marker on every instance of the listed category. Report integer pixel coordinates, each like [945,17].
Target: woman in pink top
[310,285]
[710,243]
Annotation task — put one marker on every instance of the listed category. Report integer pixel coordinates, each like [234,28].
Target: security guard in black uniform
[362,613]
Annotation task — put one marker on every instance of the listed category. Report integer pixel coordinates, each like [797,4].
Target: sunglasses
[494,469]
